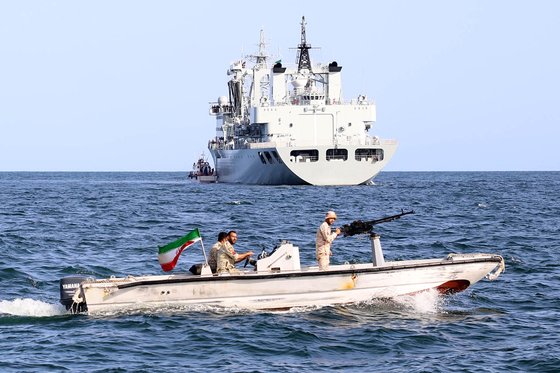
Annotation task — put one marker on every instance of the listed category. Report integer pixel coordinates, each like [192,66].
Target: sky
[126,85]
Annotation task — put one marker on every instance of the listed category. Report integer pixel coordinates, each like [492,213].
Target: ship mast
[259,82]
[303,60]
[261,57]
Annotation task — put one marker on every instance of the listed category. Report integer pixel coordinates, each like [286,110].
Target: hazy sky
[125,85]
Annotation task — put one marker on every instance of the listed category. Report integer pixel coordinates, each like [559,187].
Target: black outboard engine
[68,287]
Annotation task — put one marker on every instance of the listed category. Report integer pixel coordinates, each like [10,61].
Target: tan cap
[330,215]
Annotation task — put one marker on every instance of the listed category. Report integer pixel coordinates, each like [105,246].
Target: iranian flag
[169,254]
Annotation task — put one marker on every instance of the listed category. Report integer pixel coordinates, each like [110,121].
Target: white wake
[30,307]
[429,301]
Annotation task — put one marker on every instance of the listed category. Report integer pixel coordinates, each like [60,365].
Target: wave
[238,202]
[30,307]
[429,301]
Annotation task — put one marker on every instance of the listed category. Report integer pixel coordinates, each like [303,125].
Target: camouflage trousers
[324,257]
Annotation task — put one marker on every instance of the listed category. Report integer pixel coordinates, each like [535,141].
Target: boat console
[284,257]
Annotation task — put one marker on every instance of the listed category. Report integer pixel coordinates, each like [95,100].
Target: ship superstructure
[291,125]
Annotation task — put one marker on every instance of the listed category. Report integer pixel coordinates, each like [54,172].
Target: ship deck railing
[216,109]
[304,158]
[367,158]
[265,143]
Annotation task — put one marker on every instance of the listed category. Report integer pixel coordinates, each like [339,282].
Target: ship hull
[244,166]
[277,166]
[287,289]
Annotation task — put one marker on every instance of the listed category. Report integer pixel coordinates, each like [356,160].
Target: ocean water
[102,224]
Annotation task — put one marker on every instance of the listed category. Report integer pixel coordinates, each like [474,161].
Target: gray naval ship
[290,125]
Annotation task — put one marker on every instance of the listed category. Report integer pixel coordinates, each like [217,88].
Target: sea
[54,225]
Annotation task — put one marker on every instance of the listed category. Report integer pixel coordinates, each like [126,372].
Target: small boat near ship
[203,171]
[284,124]
[279,281]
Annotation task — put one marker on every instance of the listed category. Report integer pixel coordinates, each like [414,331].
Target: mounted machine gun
[362,227]
[366,226]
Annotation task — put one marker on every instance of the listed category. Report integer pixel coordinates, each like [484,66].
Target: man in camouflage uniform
[324,239]
[227,257]
[213,256]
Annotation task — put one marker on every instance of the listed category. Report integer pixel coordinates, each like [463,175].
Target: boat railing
[306,100]
[336,157]
[215,109]
[367,158]
[258,143]
[240,143]
[261,145]
[304,158]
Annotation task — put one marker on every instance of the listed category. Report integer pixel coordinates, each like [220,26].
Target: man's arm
[240,257]
[327,235]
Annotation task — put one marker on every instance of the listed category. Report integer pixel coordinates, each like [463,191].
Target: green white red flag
[168,255]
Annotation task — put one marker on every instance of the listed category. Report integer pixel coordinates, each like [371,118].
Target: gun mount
[366,226]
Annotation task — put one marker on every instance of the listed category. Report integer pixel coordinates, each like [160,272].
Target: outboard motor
[68,287]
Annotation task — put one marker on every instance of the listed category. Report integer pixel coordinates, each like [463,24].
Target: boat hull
[287,289]
[207,179]
[244,166]
[257,166]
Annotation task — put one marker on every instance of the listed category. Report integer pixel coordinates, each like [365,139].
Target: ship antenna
[303,60]
[260,58]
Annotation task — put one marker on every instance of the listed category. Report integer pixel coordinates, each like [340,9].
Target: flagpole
[203,251]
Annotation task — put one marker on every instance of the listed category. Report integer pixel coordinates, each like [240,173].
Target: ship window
[268,157]
[276,156]
[337,154]
[261,156]
[308,155]
[369,155]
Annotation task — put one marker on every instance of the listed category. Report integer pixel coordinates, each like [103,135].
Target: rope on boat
[496,272]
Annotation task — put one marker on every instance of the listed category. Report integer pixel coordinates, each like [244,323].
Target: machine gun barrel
[361,226]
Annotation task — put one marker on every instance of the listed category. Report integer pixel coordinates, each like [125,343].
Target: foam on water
[30,307]
[428,301]
[169,310]
[422,303]
[238,202]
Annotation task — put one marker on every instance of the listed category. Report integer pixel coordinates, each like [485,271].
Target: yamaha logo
[70,286]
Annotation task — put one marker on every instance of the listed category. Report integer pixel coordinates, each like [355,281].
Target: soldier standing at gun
[324,239]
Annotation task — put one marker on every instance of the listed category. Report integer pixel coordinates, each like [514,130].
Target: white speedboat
[284,124]
[279,282]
